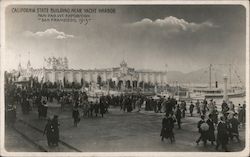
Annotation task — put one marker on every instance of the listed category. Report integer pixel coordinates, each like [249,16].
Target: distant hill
[202,76]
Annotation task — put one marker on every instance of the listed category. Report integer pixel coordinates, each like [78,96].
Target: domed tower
[65,63]
[28,65]
[124,68]
[123,63]
[19,67]
[29,68]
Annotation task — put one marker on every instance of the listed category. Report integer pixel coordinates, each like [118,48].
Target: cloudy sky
[185,38]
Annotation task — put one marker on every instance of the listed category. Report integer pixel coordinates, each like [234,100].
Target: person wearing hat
[191,109]
[164,128]
[49,130]
[197,104]
[55,125]
[76,115]
[211,136]
[234,123]
[203,130]
[178,116]
[222,134]
[167,128]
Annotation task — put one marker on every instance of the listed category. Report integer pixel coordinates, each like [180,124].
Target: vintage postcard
[124,78]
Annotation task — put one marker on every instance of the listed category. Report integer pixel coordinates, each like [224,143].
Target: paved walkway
[118,131]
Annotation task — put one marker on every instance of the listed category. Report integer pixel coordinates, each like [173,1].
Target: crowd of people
[224,121]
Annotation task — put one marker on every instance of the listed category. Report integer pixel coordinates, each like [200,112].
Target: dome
[123,63]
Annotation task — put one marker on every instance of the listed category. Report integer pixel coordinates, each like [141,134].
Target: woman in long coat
[164,128]
[102,108]
[48,130]
[56,125]
[167,128]
[75,115]
[203,130]
[211,136]
[96,107]
[222,135]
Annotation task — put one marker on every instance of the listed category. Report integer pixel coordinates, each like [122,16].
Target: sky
[186,38]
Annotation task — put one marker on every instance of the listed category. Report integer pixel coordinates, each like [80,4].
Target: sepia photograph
[124,79]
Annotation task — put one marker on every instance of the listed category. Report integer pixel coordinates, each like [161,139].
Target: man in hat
[191,109]
[75,115]
[49,130]
[178,116]
[222,135]
[167,128]
[164,128]
[234,123]
[197,104]
[55,125]
[211,136]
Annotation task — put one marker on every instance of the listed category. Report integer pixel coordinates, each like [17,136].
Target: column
[63,78]
[123,84]
[132,83]
[225,96]
[71,76]
[53,76]
[165,78]
[155,79]
[161,78]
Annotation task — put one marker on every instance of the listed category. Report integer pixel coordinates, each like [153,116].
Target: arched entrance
[128,84]
[119,84]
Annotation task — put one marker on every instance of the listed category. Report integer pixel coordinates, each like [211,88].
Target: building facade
[57,70]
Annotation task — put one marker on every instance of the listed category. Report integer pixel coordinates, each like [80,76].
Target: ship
[201,92]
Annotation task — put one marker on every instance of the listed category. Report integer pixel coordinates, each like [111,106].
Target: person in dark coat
[204,108]
[183,108]
[178,116]
[203,132]
[164,128]
[91,109]
[44,107]
[25,106]
[240,114]
[159,106]
[96,107]
[167,128]
[102,109]
[55,125]
[234,123]
[224,108]
[211,136]
[49,130]
[198,107]
[129,105]
[76,116]
[191,109]
[222,135]
[215,115]
[40,110]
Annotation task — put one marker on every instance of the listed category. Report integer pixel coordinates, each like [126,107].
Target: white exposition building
[56,70]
